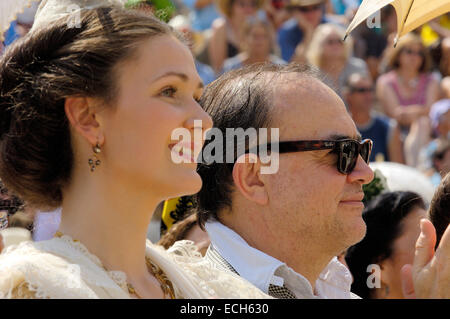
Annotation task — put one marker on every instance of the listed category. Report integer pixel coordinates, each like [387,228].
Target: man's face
[308,197]
[360,95]
[312,14]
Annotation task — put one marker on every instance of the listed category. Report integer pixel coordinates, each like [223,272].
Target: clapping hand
[429,276]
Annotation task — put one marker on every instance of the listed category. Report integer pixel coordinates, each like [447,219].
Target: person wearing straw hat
[296,33]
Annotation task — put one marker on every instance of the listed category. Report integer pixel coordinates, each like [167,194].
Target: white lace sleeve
[58,269]
[210,281]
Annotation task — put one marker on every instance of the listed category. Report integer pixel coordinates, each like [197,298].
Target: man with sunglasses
[358,94]
[283,231]
[295,34]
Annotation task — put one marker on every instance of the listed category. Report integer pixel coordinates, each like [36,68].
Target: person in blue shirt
[203,13]
[383,131]
[296,33]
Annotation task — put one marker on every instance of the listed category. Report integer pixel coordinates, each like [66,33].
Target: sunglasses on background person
[348,150]
[305,9]
[361,89]
[334,41]
[248,4]
[413,52]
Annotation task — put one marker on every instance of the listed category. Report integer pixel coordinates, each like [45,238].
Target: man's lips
[354,198]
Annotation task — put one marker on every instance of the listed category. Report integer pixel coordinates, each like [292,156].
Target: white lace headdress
[49,10]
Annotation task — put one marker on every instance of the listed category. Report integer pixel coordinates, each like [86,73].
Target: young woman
[333,56]
[87,113]
[258,45]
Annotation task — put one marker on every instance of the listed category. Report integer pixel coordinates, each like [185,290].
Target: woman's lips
[186,152]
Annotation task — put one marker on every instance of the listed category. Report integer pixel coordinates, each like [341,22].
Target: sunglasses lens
[365,152]
[348,156]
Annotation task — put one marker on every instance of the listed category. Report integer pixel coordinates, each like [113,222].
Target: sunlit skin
[307,210]
[108,210]
[412,61]
[403,249]
[333,47]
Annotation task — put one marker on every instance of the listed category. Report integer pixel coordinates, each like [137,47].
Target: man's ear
[247,178]
[80,112]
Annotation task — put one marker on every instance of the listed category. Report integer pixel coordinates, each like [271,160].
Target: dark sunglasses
[307,8]
[334,41]
[348,150]
[247,4]
[412,52]
[361,90]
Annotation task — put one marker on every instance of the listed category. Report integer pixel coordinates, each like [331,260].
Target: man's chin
[359,232]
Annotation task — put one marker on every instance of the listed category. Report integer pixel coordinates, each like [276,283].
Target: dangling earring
[94,162]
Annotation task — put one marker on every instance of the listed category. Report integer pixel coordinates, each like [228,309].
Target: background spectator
[441,161]
[295,34]
[383,131]
[225,39]
[439,211]
[277,12]
[334,57]
[407,92]
[429,156]
[392,221]
[203,13]
[257,45]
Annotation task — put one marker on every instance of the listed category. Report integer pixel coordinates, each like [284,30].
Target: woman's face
[241,9]
[411,56]
[158,93]
[258,41]
[403,249]
[332,46]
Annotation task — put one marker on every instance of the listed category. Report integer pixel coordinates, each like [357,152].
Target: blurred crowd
[398,96]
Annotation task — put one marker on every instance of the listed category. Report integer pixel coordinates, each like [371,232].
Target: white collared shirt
[262,270]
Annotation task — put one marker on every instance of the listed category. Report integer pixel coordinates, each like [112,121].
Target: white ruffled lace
[64,268]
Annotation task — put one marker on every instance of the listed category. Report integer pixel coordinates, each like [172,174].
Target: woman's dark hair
[439,211]
[383,217]
[39,72]
[241,99]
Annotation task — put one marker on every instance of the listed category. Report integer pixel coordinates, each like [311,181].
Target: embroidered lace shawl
[62,268]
